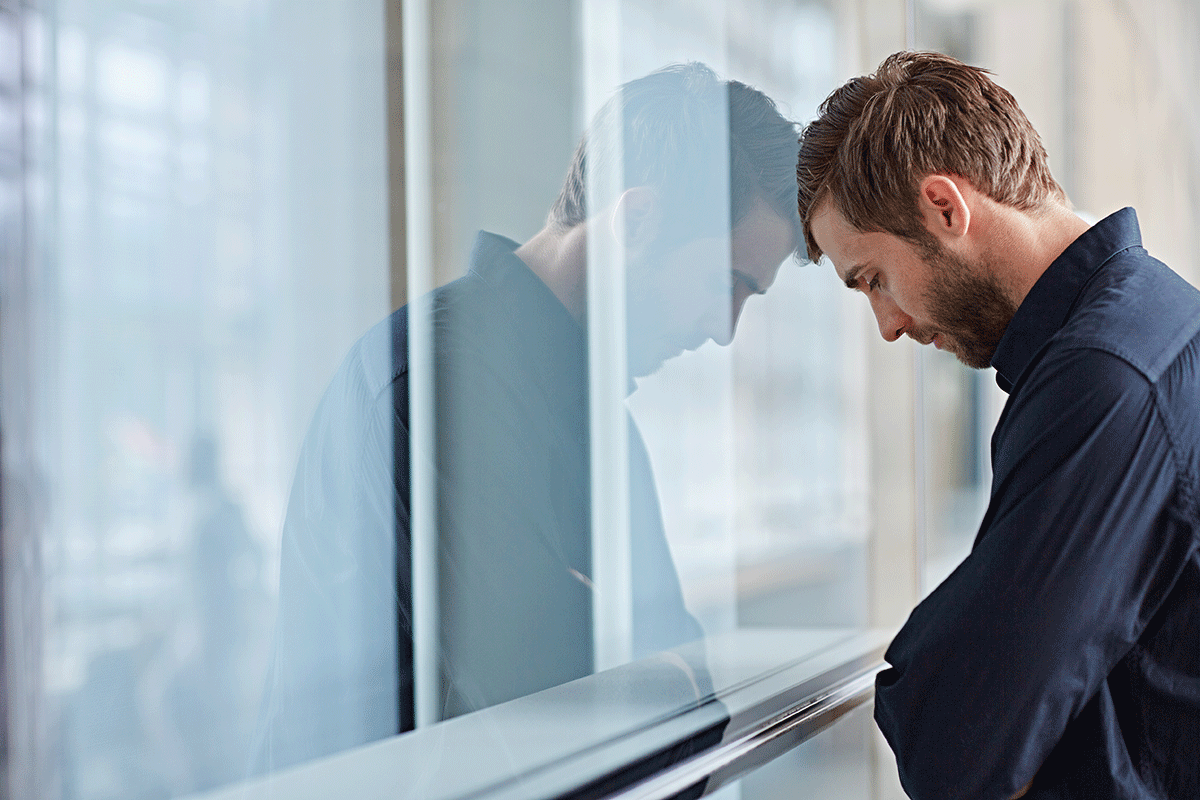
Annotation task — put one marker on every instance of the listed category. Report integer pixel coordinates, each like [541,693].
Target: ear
[637,218]
[943,207]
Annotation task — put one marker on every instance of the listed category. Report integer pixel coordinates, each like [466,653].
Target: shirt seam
[1071,343]
[1184,479]
[1185,499]
[1184,496]
[1083,287]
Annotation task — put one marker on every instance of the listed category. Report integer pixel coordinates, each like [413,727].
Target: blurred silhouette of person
[703,214]
[212,688]
[226,561]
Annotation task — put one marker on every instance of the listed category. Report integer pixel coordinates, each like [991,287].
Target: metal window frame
[23,769]
[694,749]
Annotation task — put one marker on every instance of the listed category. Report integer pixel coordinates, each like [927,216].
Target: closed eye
[746,280]
[854,279]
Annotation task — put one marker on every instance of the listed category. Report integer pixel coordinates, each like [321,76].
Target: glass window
[425,384]
[209,186]
[275,511]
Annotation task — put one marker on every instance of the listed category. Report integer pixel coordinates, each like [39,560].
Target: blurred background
[203,205]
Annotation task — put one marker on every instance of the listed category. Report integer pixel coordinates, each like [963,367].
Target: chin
[973,359]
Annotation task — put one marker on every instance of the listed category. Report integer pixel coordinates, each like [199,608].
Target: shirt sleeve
[514,551]
[341,672]
[1070,564]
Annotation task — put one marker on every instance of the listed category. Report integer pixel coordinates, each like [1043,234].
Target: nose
[892,321]
[723,325]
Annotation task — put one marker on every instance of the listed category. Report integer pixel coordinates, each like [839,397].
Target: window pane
[350,413]
[216,214]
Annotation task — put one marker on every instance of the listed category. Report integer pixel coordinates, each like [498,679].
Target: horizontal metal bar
[760,744]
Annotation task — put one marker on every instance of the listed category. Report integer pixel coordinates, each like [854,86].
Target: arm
[514,534]
[1071,562]
[340,672]
[516,545]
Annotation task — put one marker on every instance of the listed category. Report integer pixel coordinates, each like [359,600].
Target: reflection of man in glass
[702,213]
[1061,659]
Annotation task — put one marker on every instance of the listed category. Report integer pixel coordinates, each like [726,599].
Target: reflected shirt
[512,467]
[1067,644]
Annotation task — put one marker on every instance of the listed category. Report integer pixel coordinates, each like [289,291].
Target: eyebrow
[749,281]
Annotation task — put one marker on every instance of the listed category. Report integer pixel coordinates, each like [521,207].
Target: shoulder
[1077,399]
[375,360]
[1136,309]
[381,357]
[1074,383]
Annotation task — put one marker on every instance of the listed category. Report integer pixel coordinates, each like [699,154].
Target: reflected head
[709,148]
[919,114]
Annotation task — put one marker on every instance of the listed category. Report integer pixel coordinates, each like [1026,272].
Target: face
[680,298]
[929,294]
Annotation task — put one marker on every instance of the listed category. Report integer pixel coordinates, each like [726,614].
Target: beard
[968,307]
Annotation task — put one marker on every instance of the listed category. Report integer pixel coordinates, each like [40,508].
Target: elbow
[937,757]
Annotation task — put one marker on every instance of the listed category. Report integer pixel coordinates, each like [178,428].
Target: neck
[558,257]
[1024,244]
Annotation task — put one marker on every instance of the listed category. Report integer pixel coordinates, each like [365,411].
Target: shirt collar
[1049,303]
[493,259]
[533,320]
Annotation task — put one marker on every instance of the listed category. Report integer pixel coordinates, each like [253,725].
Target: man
[702,211]
[1062,658]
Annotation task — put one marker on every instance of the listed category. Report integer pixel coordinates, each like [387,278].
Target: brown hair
[919,114]
[689,134]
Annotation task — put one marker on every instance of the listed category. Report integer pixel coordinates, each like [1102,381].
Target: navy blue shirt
[1067,644]
[513,520]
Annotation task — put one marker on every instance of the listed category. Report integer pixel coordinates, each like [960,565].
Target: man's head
[932,294]
[919,114]
[889,175]
[699,173]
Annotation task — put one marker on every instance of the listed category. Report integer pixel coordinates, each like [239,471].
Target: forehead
[833,234]
[762,240]
[846,246]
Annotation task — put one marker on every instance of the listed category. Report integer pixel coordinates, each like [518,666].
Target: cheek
[692,309]
[695,299]
[658,310]
[901,296]
[878,304]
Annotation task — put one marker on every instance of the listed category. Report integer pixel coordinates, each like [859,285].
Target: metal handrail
[767,739]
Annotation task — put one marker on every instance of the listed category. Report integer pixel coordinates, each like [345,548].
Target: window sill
[638,731]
